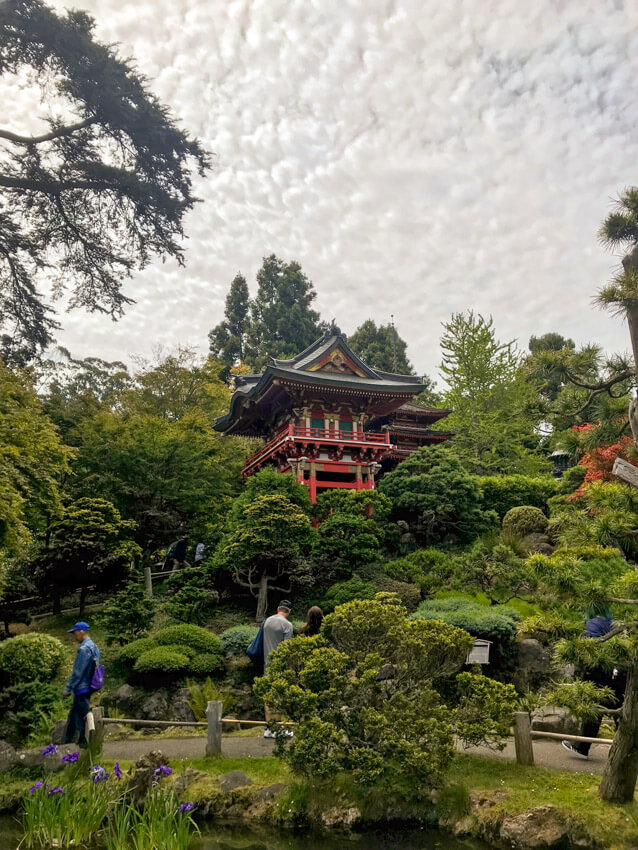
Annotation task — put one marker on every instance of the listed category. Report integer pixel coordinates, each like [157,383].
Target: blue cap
[80,627]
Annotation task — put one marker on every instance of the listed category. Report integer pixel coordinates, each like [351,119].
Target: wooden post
[214,718]
[627,472]
[523,738]
[148,581]
[95,735]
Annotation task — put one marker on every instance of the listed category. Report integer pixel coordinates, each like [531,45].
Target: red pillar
[312,483]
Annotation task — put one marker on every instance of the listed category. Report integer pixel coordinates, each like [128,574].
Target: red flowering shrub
[599,462]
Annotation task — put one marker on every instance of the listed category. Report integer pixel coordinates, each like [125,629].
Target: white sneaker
[268,733]
[572,749]
[288,733]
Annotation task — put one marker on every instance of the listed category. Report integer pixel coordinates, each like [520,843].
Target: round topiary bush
[188,635]
[132,651]
[525,520]
[235,640]
[162,661]
[206,664]
[30,657]
[347,591]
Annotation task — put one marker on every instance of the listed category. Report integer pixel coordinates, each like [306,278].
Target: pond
[240,837]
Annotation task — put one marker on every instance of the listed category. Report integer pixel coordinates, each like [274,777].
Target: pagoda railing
[292,433]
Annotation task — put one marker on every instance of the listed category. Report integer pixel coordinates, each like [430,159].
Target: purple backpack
[97,680]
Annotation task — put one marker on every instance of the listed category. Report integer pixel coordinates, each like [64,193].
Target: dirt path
[546,753]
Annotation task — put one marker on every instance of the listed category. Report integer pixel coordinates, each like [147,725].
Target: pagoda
[328,418]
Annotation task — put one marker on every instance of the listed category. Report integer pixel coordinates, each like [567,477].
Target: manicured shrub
[162,660]
[347,591]
[22,707]
[31,656]
[206,664]
[492,622]
[525,520]
[188,635]
[135,648]
[128,614]
[430,569]
[500,493]
[408,593]
[236,639]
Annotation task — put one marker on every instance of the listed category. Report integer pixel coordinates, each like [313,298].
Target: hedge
[236,639]
[491,622]
[503,492]
[135,648]
[188,635]
[205,664]
[31,656]
[347,591]
[525,520]
[161,660]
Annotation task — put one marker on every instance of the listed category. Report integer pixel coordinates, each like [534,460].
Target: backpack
[255,650]
[97,679]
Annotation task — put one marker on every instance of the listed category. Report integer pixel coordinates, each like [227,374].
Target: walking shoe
[572,749]
[268,733]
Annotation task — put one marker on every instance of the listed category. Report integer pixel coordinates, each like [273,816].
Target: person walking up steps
[276,630]
[79,685]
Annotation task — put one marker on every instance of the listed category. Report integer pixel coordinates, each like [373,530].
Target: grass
[573,794]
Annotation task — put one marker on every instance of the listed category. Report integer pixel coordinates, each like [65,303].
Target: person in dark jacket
[79,685]
[597,627]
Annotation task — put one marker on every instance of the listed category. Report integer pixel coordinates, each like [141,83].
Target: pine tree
[381,347]
[283,322]
[228,338]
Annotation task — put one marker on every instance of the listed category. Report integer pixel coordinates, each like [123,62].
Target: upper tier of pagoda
[327,373]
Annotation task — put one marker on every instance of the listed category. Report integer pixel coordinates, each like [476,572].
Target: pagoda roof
[329,364]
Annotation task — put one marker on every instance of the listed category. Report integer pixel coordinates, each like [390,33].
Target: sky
[417,158]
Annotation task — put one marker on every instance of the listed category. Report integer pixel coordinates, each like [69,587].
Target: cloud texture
[417,158]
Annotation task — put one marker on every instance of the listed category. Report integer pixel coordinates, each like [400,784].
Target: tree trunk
[262,599]
[82,600]
[632,322]
[619,777]
[57,604]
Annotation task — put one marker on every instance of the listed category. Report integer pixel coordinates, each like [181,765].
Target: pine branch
[46,137]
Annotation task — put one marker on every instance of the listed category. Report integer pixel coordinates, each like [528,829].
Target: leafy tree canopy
[381,347]
[97,190]
[228,339]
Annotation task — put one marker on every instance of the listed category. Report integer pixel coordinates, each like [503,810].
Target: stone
[128,700]
[155,707]
[57,731]
[186,779]
[269,792]
[533,665]
[538,544]
[338,818]
[34,758]
[551,718]
[8,756]
[234,779]
[143,776]
[180,709]
[542,827]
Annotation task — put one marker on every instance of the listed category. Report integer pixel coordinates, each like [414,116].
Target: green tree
[390,731]
[596,584]
[494,407]
[33,462]
[227,340]
[282,321]
[100,191]
[437,496]
[268,549]
[128,615]
[90,545]
[381,347]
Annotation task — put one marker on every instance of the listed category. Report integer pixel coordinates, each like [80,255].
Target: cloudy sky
[417,158]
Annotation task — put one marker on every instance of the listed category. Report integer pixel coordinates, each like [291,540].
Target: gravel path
[546,753]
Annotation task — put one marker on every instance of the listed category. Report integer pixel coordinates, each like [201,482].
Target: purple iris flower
[70,757]
[36,787]
[56,790]
[50,750]
[98,774]
[163,770]
[187,807]
[117,771]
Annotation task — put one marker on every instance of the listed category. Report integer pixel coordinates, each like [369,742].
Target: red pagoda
[329,418]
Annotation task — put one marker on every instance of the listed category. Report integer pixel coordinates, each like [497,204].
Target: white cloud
[417,158]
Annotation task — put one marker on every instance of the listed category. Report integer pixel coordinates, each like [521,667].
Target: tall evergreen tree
[283,322]
[99,192]
[493,404]
[381,347]
[228,338]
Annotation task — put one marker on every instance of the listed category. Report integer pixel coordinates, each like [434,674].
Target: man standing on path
[79,685]
[276,630]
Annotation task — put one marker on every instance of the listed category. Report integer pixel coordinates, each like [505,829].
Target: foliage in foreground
[362,695]
[30,656]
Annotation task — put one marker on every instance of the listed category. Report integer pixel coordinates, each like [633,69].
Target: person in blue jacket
[79,685]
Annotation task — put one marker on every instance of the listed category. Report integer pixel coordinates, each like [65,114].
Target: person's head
[284,609]
[314,619]
[80,631]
